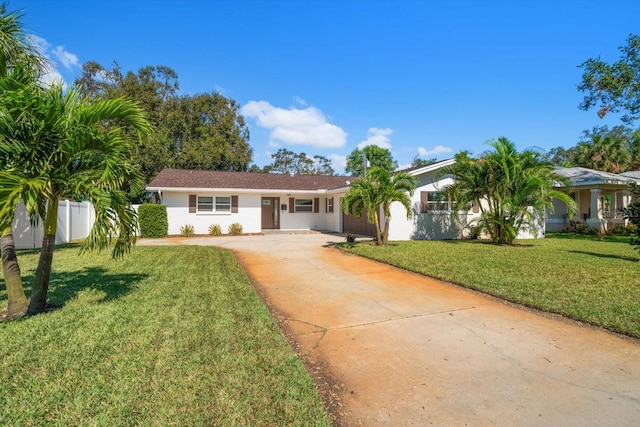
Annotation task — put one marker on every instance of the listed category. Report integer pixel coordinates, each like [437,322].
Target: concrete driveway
[394,348]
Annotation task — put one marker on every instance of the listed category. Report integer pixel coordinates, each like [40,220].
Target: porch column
[596,209]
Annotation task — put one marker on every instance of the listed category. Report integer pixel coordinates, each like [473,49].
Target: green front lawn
[167,336]
[589,280]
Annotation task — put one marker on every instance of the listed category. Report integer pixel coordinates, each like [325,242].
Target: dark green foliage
[615,87]
[632,213]
[202,131]
[286,161]
[153,220]
[372,156]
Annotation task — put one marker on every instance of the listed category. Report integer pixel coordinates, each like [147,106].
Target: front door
[270,213]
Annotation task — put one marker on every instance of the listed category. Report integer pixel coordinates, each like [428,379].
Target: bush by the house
[215,230]
[187,230]
[235,229]
[153,220]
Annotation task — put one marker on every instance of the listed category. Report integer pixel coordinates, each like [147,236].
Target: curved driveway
[403,349]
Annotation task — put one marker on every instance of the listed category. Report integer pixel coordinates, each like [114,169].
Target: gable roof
[183,179]
[584,176]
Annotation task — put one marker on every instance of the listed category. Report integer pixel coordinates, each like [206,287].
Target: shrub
[235,229]
[351,238]
[153,220]
[215,230]
[187,230]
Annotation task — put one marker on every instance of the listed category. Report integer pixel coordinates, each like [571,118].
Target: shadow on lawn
[67,285]
[621,257]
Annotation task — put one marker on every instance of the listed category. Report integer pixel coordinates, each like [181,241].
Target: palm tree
[16,51]
[76,150]
[605,150]
[376,191]
[512,189]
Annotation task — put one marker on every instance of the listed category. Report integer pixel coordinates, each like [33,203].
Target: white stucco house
[299,202]
[599,196]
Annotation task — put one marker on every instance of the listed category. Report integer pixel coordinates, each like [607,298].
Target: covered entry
[354,225]
[270,213]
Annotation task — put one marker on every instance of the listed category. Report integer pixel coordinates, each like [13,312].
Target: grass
[167,336]
[597,282]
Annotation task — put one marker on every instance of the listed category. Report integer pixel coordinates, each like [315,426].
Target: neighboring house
[75,220]
[599,196]
[299,202]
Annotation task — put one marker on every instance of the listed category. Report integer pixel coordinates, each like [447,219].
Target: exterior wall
[432,225]
[249,213]
[75,220]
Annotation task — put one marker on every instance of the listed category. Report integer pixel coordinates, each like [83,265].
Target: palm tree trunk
[387,220]
[38,301]
[378,231]
[17,304]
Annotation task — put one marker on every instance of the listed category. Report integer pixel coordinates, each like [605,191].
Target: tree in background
[512,189]
[417,162]
[560,156]
[208,133]
[287,162]
[377,190]
[605,150]
[203,131]
[614,88]
[368,157]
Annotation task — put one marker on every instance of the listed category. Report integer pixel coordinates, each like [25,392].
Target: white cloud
[300,101]
[379,137]
[68,59]
[295,126]
[60,56]
[438,149]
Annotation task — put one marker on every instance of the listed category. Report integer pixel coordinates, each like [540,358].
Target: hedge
[153,220]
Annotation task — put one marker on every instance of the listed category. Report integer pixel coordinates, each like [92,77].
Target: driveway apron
[403,349]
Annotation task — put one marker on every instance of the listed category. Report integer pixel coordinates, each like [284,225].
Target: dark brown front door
[270,213]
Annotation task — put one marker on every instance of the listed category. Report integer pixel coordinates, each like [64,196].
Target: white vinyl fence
[75,220]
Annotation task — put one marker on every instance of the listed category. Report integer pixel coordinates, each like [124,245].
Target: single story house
[599,195]
[260,201]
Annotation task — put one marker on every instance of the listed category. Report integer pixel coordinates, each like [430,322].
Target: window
[205,204]
[304,205]
[223,204]
[434,201]
[213,204]
[330,205]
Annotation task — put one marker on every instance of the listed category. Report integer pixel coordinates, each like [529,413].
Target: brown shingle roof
[182,178]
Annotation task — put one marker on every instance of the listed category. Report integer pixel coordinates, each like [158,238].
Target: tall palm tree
[607,151]
[377,191]
[76,150]
[16,51]
[512,189]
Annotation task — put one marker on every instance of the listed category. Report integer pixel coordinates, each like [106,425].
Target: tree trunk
[385,236]
[378,231]
[17,304]
[38,301]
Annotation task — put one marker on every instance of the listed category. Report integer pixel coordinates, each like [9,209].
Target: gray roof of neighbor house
[182,178]
[632,174]
[584,176]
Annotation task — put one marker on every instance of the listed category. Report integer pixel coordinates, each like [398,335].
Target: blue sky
[426,78]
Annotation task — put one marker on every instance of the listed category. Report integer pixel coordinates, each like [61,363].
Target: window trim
[226,206]
[296,206]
